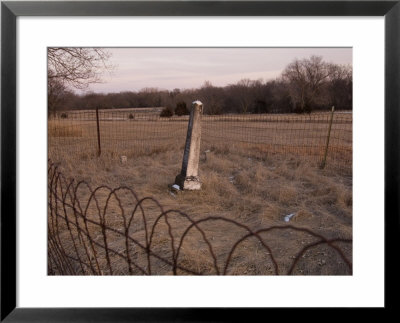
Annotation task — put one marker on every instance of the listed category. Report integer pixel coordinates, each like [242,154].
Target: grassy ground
[255,169]
[255,189]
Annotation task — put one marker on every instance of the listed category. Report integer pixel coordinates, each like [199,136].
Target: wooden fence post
[327,139]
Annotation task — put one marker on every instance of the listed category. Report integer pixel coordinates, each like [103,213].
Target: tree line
[305,85]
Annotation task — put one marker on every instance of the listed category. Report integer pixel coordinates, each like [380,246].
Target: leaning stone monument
[188,179]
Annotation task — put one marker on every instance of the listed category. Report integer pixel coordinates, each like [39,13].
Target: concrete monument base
[190,183]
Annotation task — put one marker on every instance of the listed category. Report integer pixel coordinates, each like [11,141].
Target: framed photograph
[151,147]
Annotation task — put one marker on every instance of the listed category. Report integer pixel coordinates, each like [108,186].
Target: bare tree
[305,78]
[242,91]
[340,86]
[211,97]
[77,67]
[55,92]
[150,96]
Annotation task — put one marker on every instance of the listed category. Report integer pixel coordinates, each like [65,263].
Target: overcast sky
[169,68]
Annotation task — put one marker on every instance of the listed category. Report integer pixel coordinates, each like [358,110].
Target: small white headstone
[124,159]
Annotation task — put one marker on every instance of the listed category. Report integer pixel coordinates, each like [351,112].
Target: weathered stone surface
[188,179]
[190,183]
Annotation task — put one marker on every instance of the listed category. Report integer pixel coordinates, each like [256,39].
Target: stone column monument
[188,179]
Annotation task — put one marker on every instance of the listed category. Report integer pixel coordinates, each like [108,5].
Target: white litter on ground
[288,217]
[176,187]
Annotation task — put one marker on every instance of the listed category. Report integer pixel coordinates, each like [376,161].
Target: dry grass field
[254,172]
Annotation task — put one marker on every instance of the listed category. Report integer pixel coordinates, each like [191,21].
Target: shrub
[181,109]
[260,106]
[131,116]
[166,113]
[307,108]
[64,115]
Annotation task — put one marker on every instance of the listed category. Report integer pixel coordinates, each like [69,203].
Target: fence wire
[105,231]
[127,132]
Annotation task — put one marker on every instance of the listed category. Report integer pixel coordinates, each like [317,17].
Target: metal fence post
[98,133]
[327,139]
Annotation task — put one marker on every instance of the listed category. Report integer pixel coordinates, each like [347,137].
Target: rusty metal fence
[130,132]
[105,231]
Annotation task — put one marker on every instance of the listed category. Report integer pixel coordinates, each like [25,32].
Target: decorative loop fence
[133,132]
[105,231]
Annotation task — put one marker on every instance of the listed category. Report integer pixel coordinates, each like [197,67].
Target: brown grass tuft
[57,129]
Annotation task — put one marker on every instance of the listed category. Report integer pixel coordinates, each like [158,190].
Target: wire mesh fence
[137,131]
[105,231]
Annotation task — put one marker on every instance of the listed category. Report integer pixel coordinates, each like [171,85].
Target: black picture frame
[10,10]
